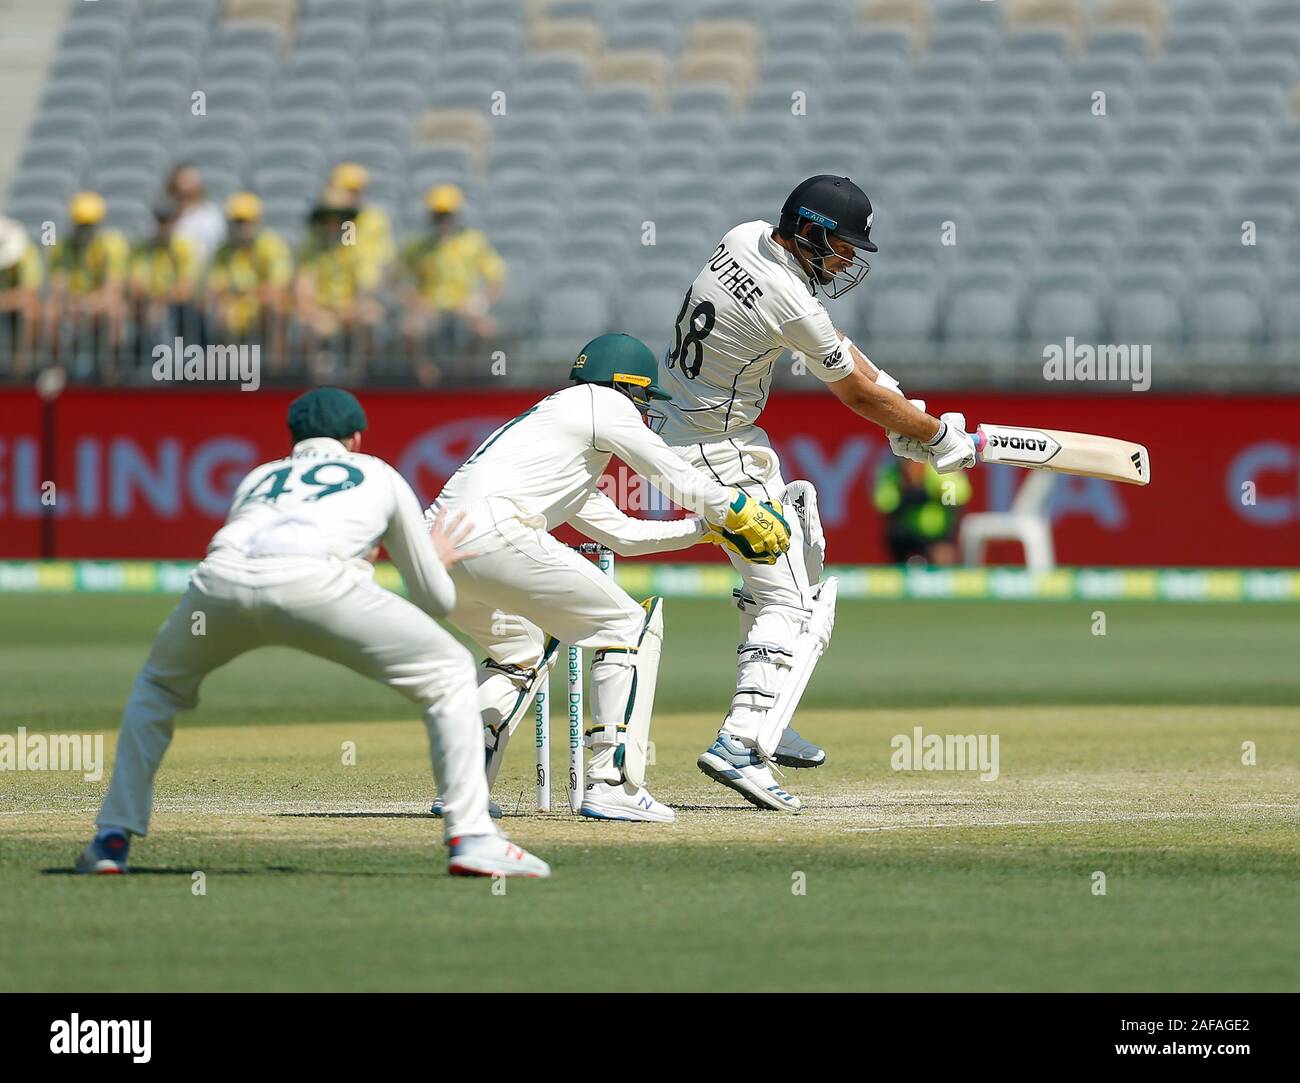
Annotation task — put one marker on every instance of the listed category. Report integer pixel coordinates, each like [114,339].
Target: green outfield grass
[1119,754]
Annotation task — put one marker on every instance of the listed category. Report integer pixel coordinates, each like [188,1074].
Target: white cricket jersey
[323,502]
[542,468]
[749,303]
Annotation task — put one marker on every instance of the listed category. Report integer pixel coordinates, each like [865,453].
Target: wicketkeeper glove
[755,531]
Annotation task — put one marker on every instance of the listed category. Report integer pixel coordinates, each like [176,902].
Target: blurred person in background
[374,229]
[334,291]
[921,510]
[164,272]
[21,275]
[198,219]
[87,296]
[451,277]
[249,279]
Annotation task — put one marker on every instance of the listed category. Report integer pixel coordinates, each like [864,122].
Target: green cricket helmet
[622,362]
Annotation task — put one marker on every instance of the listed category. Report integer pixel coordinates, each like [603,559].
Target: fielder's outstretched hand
[449,535]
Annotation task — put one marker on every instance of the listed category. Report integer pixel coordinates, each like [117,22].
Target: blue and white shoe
[494,810]
[623,801]
[105,856]
[744,770]
[796,751]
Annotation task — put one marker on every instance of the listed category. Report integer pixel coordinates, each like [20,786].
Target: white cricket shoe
[623,801]
[492,855]
[796,751]
[742,768]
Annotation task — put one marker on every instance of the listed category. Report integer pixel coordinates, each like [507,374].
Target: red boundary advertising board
[148,474]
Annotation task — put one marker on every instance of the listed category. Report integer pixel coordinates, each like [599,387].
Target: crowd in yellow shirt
[86,290]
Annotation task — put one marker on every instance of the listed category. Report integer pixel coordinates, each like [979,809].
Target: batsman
[755,298]
[523,592]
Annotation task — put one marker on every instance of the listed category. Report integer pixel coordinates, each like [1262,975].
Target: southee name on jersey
[733,277]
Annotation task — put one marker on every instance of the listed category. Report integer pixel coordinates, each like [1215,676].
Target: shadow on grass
[434,871]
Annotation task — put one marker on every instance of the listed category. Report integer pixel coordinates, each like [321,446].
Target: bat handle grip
[979,440]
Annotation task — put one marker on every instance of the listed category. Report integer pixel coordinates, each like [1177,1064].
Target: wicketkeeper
[523,592]
[290,568]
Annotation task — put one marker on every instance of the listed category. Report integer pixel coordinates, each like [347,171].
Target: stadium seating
[1098,159]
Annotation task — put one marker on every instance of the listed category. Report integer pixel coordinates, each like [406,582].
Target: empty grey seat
[126,182]
[1224,164]
[136,153]
[85,63]
[225,96]
[229,64]
[958,39]
[330,33]
[1284,321]
[1256,72]
[1144,165]
[1063,162]
[208,154]
[1144,306]
[81,124]
[381,124]
[308,95]
[573,314]
[1201,40]
[153,93]
[281,182]
[1027,70]
[703,98]
[399,62]
[328,64]
[317,10]
[290,124]
[391,95]
[161,63]
[248,36]
[1061,303]
[34,210]
[54,153]
[981,317]
[301,154]
[87,94]
[94,34]
[1113,41]
[1227,315]
[185,35]
[1158,101]
[900,313]
[1168,133]
[378,156]
[44,182]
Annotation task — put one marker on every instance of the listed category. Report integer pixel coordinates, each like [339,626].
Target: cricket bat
[1064,452]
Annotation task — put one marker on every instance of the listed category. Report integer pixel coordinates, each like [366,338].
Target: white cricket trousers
[328,608]
[524,587]
[779,598]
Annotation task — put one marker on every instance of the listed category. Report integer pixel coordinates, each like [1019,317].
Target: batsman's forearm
[890,411]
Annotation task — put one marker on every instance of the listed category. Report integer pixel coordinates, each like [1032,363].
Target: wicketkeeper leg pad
[623,682]
[505,695]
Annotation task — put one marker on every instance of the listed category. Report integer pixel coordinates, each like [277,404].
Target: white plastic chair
[1024,521]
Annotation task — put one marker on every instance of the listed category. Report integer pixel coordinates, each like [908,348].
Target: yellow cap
[351,176]
[445,198]
[243,207]
[87,208]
